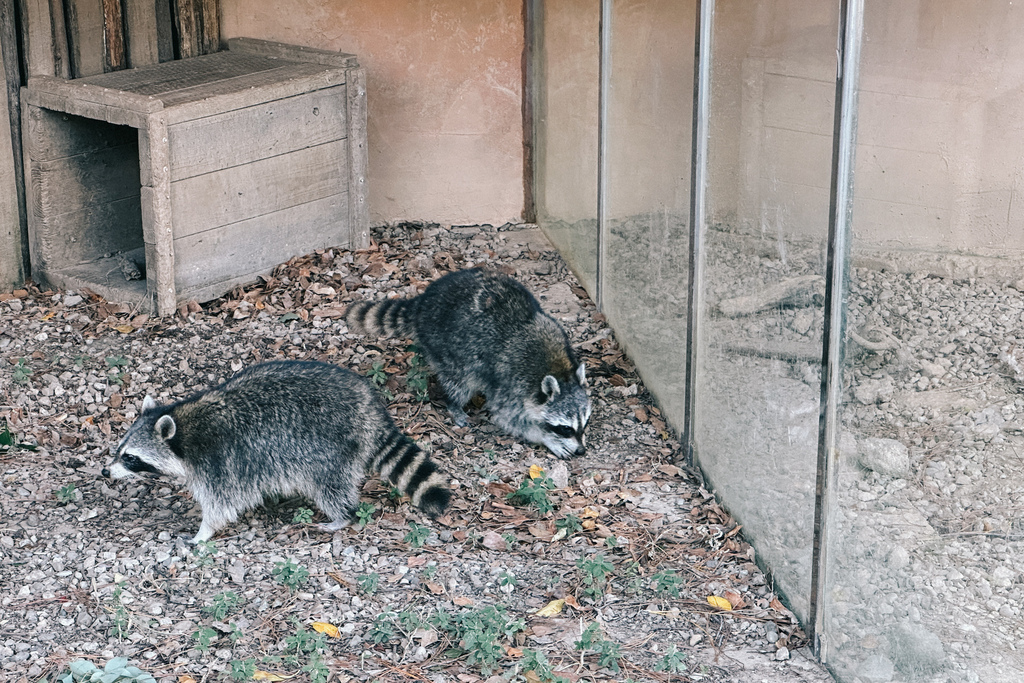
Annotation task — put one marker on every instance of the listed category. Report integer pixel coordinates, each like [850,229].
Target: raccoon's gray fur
[283,427]
[483,332]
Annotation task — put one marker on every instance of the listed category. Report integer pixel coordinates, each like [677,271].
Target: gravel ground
[626,558]
[927,534]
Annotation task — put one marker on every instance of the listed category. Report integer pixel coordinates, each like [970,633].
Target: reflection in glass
[646,273]
[565,118]
[758,381]
[924,582]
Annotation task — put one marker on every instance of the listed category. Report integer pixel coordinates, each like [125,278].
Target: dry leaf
[720,603]
[426,636]
[571,601]
[462,601]
[513,652]
[124,329]
[186,678]
[551,609]
[49,315]
[531,677]
[734,598]
[536,471]
[325,628]
[670,470]
[435,588]
[590,512]
[589,524]
[269,676]
[493,540]
[559,535]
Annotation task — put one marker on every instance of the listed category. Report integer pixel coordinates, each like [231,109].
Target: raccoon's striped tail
[388,318]
[412,471]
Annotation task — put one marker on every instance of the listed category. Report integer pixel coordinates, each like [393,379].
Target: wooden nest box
[201,173]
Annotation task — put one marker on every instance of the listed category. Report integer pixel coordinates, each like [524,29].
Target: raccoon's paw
[459,416]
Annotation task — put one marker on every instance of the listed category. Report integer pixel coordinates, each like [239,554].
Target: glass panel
[565,117]
[650,108]
[924,577]
[758,382]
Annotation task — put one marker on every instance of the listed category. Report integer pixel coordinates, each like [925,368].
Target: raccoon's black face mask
[145,447]
[564,413]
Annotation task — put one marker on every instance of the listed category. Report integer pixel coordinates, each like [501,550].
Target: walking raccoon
[483,332]
[283,427]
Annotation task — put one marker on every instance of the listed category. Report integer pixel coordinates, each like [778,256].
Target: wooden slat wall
[77,38]
[84,24]
[115,54]
[198,26]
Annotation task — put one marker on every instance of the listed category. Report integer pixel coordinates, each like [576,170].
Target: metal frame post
[605,58]
[698,198]
[844,141]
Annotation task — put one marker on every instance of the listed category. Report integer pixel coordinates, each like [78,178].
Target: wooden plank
[206,292]
[210,26]
[157,224]
[249,90]
[261,243]
[76,237]
[87,180]
[201,145]
[187,27]
[14,260]
[164,31]
[355,103]
[100,278]
[242,192]
[115,55]
[297,53]
[82,90]
[168,77]
[84,22]
[140,20]
[50,135]
[37,37]
[59,40]
[13,227]
[91,110]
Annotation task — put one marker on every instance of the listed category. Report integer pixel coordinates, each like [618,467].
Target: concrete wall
[444,92]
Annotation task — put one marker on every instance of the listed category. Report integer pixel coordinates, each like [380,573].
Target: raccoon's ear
[581,373]
[148,403]
[549,388]
[165,427]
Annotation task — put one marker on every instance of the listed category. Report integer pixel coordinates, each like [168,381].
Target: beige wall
[940,157]
[444,93]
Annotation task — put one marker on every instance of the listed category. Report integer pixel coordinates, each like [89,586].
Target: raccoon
[483,332]
[282,427]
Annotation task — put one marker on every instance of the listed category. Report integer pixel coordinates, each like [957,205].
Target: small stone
[559,474]
[899,558]
[885,456]
[876,669]
[874,391]
[1002,577]
[72,300]
[782,654]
